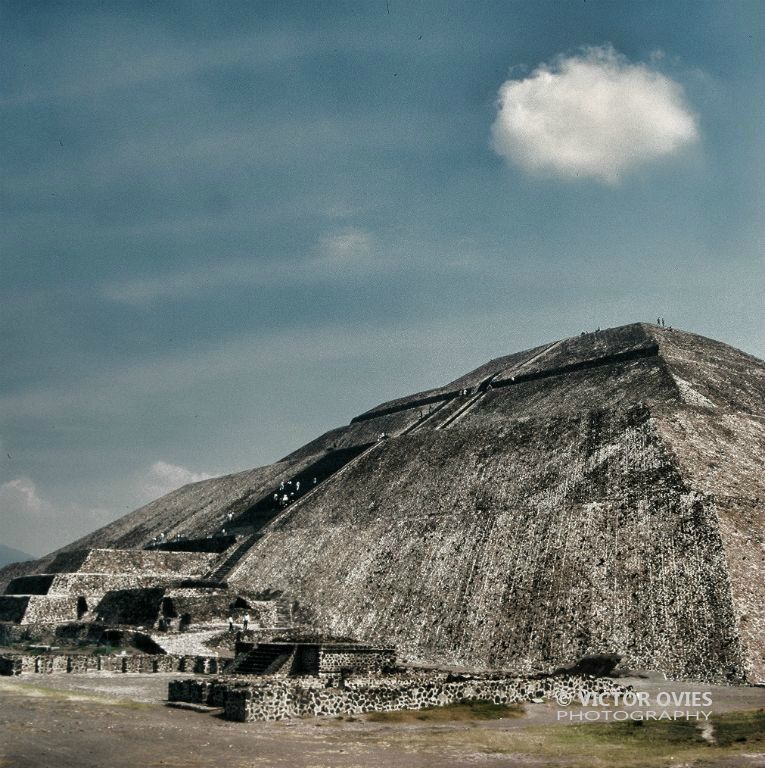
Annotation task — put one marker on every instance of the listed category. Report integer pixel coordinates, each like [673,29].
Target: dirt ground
[121,721]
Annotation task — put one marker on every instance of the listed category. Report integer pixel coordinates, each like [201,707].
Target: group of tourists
[245,623]
[162,539]
[290,490]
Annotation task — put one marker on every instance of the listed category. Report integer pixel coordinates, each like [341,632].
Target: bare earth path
[120,721]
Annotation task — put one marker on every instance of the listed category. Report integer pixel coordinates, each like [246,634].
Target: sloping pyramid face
[601,494]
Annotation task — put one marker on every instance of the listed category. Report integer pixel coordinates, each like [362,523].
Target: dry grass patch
[740,728]
[55,694]
[463,710]
[649,744]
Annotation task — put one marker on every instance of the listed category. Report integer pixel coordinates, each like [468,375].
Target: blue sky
[229,227]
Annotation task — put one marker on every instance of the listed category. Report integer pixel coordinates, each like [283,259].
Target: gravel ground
[121,721]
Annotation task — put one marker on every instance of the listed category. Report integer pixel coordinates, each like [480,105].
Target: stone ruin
[269,698]
[599,495]
[277,680]
[152,601]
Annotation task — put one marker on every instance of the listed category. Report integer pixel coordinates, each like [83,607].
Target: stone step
[260,661]
[187,643]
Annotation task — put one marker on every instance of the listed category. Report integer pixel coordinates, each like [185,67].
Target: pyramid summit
[597,495]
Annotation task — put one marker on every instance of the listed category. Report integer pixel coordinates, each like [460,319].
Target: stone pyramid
[602,494]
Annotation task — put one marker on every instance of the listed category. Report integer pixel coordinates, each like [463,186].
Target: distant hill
[10,555]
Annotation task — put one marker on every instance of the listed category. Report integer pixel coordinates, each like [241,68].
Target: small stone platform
[273,698]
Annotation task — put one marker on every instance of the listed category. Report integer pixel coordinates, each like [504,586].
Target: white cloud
[20,495]
[30,522]
[347,247]
[163,478]
[592,115]
[33,523]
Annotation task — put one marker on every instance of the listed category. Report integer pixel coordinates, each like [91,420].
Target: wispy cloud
[106,62]
[163,477]
[349,250]
[591,115]
[185,283]
[348,247]
[100,51]
[33,523]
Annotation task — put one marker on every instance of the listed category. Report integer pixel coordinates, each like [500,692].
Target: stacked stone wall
[341,659]
[13,570]
[206,604]
[12,633]
[130,606]
[100,583]
[277,698]
[50,663]
[41,609]
[68,562]
[263,613]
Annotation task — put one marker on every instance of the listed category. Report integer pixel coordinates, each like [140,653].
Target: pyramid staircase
[219,573]
[478,393]
[262,661]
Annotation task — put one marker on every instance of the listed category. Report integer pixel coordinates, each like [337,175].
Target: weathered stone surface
[57,663]
[598,495]
[560,516]
[38,609]
[135,562]
[275,699]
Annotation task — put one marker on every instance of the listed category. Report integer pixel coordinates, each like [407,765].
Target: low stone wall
[49,663]
[349,658]
[211,692]
[269,698]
